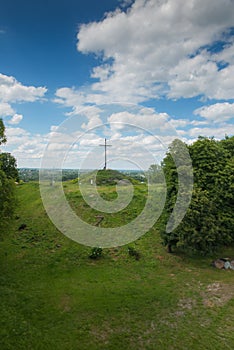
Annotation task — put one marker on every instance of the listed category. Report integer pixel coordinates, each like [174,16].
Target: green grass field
[53,296]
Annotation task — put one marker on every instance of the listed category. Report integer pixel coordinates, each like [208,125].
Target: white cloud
[92,123]
[151,43]
[11,132]
[179,123]
[92,113]
[198,122]
[218,112]
[126,3]
[218,133]
[19,138]
[13,91]
[5,109]
[25,147]
[16,119]
[70,97]
[143,120]
[53,128]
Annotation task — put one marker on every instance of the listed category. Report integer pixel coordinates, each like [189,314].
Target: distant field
[53,296]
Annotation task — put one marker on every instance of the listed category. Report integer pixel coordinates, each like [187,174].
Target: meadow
[53,296]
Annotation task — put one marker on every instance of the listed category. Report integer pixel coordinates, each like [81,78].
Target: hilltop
[107,177]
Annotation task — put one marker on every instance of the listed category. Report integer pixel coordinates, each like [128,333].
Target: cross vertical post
[105,146]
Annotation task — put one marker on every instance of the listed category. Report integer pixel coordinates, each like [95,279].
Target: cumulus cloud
[159,47]
[11,132]
[218,112]
[16,119]
[218,133]
[143,120]
[27,148]
[5,109]
[69,97]
[227,54]
[13,91]
[92,113]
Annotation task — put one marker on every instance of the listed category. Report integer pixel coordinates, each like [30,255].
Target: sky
[138,73]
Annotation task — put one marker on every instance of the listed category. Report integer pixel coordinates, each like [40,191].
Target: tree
[208,158]
[176,166]
[208,223]
[8,165]
[228,144]
[7,183]
[2,133]
[7,199]
[155,173]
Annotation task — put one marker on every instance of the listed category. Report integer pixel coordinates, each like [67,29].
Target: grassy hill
[106,177]
[53,296]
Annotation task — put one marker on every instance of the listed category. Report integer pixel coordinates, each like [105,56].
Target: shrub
[133,252]
[96,253]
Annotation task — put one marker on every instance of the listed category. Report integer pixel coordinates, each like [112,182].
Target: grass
[54,297]
[108,193]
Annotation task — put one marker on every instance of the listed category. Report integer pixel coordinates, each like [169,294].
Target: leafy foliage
[208,223]
[8,165]
[134,253]
[7,199]
[8,175]
[96,253]
[3,138]
[155,173]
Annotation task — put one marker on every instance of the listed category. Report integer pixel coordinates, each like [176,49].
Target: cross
[105,145]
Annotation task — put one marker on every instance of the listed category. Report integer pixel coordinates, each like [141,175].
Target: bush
[133,252]
[96,253]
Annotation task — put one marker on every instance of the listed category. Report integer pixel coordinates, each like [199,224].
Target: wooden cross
[105,145]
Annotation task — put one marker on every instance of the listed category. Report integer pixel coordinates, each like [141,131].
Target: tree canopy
[155,174]
[208,223]
[3,138]
[8,166]
[8,176]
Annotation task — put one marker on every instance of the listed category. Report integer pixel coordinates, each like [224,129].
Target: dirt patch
[102,335]
[217,294]
[65,303]
[186,304]
[114,254]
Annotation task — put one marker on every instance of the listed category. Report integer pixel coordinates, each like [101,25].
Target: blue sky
[164,66]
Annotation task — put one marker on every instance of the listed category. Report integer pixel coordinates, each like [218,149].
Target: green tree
[3,138]
[8,165]
[208,158]
[155,173]
[208,223]
[176,165]
[228,144]
[7,183]
[7,199]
